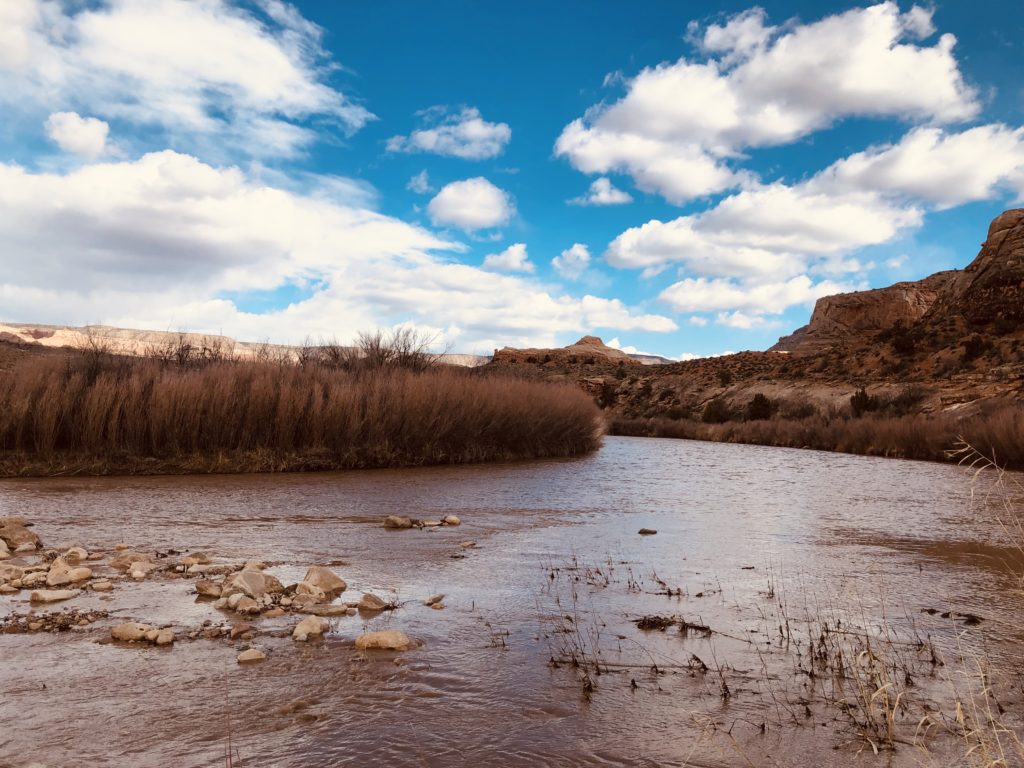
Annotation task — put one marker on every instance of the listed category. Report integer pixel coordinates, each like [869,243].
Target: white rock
[311,626]
[451,520]
[251,655]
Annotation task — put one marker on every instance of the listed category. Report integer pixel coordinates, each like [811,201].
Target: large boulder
[249,583]
[388,640]
[327,580]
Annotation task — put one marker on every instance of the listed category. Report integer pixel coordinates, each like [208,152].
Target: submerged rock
[52,595]
[451,520]
[398,523]
[433,599]
[311,626]
[251,655]
[131,631]
[389,640]
[16,535]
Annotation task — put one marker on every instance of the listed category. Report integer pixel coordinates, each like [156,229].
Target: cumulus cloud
[197,70]
[167,241]
[946,169]
[703,295]
[602,192]
[462,134]
[512,259]
[83,136]
[572,262]
[680,124]
[471,205]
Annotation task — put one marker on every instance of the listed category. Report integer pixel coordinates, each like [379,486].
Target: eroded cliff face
[865,312]
[991,288]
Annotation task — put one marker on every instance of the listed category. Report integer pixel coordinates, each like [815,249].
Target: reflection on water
[740,530]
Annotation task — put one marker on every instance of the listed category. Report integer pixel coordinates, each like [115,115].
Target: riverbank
[995,433]
[81,414]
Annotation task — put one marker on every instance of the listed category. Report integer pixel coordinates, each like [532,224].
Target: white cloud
[703,295]
[740,320]
[602,192]
[512,259]
[572,262]
[769,230]
[698,321]
[169,242]
[946,169]
[462,134]
[199,70]
[471,204]
[897,262]
[420,183]
[83,136]
[680,123]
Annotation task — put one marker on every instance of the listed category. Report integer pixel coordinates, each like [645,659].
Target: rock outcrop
[865,312]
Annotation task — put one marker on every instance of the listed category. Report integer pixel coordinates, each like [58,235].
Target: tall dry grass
[997,433]
[131,415]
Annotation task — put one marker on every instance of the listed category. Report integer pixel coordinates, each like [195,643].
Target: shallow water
[750,535]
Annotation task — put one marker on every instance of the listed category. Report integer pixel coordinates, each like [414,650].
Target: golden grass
[120,415]
[997,433]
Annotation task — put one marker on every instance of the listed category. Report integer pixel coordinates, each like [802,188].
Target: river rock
[196,558]
[451,520]
[388,639]
[17,536]
[130,631]
[433,599]
[121,547]
[254,565]
[141,569]
[207,588]
[273,613]
[61,573]
[647,531]
[272,584]
[431,523]
[238,629]
[5,552]
[397,523]
[369,602]
[234,600]
[101,586]
[10,572]
[325,579]
[247,605]
[35,579]
[311,626]
[7,589]
[164,637]
[308,593]
[251,655]
[334,609]
[76,555]
[249,583]
[127,558]
[52,595]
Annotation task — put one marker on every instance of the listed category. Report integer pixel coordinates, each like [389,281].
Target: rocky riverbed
[243,598]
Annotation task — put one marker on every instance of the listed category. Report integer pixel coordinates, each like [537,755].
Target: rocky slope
[952,341]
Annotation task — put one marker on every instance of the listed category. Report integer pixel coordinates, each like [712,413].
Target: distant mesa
[589,349]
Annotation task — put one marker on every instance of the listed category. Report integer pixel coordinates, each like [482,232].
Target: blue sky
[686,178]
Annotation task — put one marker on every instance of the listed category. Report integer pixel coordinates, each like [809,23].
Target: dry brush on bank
[99,414]
[996,432]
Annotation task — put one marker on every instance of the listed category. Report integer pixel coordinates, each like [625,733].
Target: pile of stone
[64,621]
[398,523]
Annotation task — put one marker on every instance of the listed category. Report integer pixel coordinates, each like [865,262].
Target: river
[762,546]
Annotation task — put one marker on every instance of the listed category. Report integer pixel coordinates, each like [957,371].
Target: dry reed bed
[997,433]
[120,415]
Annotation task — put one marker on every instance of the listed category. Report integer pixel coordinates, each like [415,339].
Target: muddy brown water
[750,536]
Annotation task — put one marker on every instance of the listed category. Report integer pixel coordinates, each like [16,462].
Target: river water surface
[760,545]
